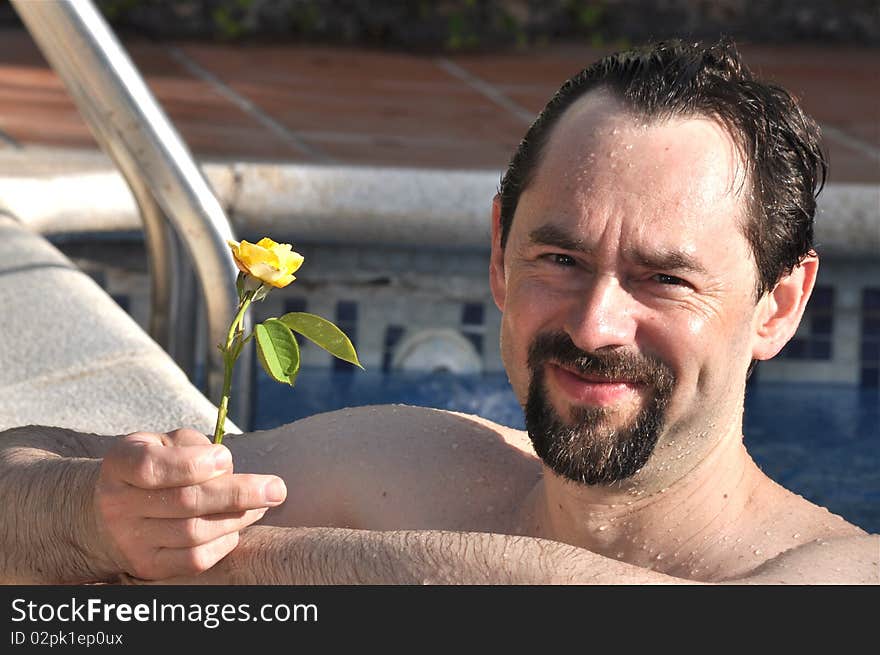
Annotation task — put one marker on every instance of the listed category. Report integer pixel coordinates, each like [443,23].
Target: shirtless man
[652,238]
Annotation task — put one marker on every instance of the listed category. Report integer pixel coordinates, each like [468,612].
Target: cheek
[528,311]
[706,352]
[514,355]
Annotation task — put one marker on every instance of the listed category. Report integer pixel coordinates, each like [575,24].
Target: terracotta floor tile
[370,107]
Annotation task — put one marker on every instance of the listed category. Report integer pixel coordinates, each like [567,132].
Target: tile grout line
[8,141]
[486,89]
[289,136]
[870,151]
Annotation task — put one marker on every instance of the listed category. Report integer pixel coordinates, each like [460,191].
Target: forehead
[688,169]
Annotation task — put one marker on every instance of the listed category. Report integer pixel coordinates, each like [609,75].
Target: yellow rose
[269,262]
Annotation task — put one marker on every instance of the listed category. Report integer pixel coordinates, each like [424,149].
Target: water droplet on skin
[659,556]
[602,528]
[796,535]
[629,146]
[757,551]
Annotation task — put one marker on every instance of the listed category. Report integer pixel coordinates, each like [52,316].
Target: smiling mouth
[593,389]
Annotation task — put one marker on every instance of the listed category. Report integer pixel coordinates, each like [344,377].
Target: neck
[664,518]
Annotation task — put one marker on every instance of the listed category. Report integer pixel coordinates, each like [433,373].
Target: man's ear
[780,311]
[496,261]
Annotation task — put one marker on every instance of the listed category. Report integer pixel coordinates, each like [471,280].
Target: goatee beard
[587,450]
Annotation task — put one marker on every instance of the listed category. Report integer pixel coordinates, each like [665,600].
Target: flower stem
[230,354]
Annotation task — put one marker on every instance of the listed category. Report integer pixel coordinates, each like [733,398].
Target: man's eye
[662,278]
[561,260]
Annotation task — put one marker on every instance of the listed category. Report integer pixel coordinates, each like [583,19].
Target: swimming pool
[821,441]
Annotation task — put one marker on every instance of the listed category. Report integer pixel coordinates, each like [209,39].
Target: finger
[186,437]
[185,533]
[228,493]
[173,562]
[145,464]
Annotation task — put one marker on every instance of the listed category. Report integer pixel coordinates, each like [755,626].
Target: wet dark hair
[778,141]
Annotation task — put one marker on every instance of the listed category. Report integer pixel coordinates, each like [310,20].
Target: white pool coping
[70,192]
[71,357]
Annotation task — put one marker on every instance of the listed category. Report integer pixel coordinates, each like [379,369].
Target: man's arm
[295,556]
[339,556]
[83,508]
[46,523]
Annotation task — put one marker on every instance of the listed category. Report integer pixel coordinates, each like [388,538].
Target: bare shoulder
[391,467]
[842,560]
[793,513]
[517,439]
[805,543]
[384,432]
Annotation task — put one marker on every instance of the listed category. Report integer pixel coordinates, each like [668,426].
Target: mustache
[558,348]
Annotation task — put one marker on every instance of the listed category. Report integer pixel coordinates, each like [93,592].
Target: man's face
[627,290]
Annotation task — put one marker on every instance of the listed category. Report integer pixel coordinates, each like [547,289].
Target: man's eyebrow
[551,235]
[663,260]
[668,260]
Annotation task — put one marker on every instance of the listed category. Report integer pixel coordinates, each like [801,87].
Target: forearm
[47,528]
[295,556]
[335,556]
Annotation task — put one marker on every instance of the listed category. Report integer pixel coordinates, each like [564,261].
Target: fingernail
[275,491]
[222,458]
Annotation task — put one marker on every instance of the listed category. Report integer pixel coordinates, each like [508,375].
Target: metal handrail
[185,227]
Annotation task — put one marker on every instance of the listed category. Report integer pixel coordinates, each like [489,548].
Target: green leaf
[324,333]
[278,351]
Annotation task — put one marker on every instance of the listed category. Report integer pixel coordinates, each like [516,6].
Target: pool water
[820,441]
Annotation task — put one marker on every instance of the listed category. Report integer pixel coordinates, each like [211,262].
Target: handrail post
[133,130]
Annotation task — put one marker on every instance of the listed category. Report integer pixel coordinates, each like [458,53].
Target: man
[652,239]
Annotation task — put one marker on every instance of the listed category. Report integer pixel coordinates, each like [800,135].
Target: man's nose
[603,317]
